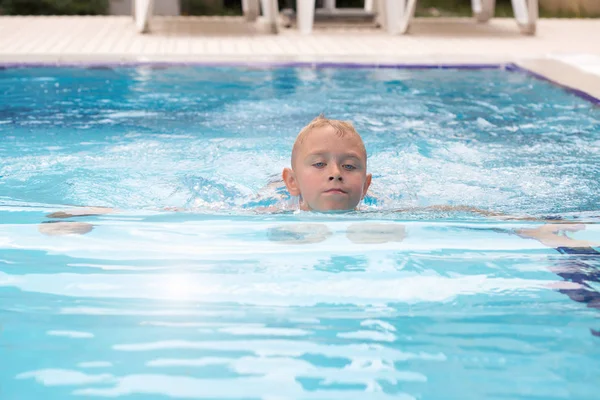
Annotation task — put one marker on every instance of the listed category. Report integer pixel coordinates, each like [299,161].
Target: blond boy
[329,167]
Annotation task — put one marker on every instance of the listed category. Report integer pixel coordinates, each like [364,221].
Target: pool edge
[570,78]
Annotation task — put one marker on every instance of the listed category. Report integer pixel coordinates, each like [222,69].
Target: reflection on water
[292,306]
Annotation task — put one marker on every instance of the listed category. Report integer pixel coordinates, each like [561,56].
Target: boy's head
[329,166]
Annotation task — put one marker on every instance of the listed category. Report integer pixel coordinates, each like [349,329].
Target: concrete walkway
[571,43]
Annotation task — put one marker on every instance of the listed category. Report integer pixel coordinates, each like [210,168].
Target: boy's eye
[348,167]
[319,165]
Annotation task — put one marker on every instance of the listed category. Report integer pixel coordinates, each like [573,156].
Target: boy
[329,167]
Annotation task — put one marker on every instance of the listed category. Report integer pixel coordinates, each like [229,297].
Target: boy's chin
[337,211]
[332,209]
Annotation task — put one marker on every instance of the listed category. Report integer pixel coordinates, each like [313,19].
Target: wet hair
[342,128]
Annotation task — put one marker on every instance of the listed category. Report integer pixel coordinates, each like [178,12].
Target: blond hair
[342,128]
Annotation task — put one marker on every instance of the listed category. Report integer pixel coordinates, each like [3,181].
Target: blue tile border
[291,64]
[258,64]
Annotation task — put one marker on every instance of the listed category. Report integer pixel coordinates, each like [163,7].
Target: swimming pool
[220,302]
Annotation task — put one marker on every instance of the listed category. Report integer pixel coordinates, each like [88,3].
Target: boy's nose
[335,173]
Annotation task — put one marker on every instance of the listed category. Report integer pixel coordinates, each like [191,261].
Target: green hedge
[233,7]
[211,7]
[425,7]
[54,7]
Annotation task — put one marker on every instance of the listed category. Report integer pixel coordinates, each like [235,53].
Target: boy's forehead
[327,137]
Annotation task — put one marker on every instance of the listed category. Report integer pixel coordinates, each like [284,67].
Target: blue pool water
[220,302]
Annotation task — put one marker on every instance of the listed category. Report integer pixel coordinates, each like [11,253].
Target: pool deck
[563,50]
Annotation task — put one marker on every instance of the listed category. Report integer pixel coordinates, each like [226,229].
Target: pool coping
[567,77]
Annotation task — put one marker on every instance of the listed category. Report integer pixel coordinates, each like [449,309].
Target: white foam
[368,335]
[95,364]
[378,323]
[304,320]
[264,331]
[63,377]
[483,123]
[71,334]
[196,362]
[131,114]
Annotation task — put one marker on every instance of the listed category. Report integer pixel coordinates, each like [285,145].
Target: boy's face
[329,171]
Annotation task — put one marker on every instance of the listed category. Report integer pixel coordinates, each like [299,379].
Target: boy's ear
[367,184]
[290,181]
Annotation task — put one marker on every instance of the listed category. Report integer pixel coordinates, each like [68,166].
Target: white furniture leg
[483,10]
[270,12]
[305,15]
[251,9]
[378,7]
[398,15]
[526,13]
[329,5]
[142,14]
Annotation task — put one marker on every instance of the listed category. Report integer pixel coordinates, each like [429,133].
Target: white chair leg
[270,12]
[305,15]
[143,14]
[251,9]
[329,5]
[526,13]
[379,10]
[398,15]
[483,10]
[369,6]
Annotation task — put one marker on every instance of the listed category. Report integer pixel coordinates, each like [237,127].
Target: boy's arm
[60,228]
[269,210]
[550,235]
[82,212]
[470,209]
[91,211]
[464,209]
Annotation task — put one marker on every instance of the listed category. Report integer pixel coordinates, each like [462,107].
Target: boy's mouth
[333,191]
